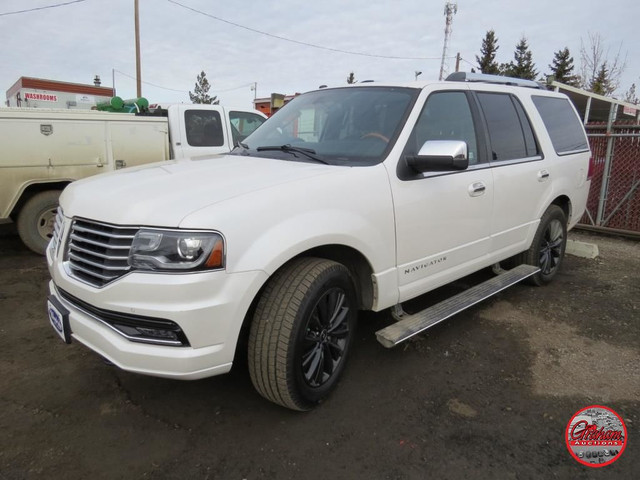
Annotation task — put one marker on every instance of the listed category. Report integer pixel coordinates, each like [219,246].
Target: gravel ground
[486,394]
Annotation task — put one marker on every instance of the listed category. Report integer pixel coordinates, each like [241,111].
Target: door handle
[476,189]
[543,175]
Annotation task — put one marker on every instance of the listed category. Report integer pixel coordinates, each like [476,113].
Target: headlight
[175,250]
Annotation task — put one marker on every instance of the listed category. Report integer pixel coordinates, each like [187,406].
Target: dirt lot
[486,394]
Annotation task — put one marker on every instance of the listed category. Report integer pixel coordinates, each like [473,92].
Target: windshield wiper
[308,152]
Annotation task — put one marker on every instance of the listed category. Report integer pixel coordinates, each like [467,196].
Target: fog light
[158,333]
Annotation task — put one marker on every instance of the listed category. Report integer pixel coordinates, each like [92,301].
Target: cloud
[75,42]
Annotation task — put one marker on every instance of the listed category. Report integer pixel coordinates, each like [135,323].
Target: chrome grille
[57,230]
[98,253]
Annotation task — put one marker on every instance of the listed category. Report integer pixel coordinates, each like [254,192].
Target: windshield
[342,126]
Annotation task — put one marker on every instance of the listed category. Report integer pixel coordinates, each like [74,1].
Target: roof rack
[486,78]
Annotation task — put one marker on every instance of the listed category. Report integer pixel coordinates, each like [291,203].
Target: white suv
[347,199]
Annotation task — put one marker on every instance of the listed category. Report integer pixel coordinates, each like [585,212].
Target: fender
[15,198]
[318,211]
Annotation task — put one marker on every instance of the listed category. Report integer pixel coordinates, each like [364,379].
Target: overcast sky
[77,41]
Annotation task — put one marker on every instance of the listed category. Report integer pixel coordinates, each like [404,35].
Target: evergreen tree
[523,67]
[601,82]
[487,60]
[507,69]
[351,78]
[201,91]
[562,68]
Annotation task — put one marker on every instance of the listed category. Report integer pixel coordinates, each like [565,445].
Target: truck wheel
[36,219]
[548,246]
[301,332]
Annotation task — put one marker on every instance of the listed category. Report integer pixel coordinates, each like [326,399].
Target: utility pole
[458,62]
[450,9]
[138,69]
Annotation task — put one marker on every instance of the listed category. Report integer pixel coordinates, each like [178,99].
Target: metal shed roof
[598,108]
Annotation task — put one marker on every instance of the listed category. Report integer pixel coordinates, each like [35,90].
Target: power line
[41,8]
[152,84]
[472,64]
[234,88]
[298,42]
[216,91]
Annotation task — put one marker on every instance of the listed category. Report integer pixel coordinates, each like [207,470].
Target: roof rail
[486,78]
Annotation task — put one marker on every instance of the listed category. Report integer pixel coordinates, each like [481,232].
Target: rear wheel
[36,219]
[548,246]
[302,332]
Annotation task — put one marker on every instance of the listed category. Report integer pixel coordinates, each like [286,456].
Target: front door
[442,218]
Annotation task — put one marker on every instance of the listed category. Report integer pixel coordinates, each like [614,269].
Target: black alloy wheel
[325,341]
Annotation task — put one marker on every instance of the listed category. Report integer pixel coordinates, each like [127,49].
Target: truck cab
[196,130]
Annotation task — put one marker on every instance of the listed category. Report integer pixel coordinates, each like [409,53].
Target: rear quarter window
[562,124]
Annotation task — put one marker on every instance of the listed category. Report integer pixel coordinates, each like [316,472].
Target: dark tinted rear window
[509,129]
[564,127]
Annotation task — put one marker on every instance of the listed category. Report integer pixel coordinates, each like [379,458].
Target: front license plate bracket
[59,318]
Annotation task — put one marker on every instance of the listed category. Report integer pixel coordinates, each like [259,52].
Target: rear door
[521,176]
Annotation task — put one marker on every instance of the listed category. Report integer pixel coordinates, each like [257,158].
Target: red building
[41,93]
[270,105]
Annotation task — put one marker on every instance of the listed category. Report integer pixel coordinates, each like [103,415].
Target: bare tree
[594,56]
[630,95]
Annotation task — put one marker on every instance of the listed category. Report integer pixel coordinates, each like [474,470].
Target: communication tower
[450,9]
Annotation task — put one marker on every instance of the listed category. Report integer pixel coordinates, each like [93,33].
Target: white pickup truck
[44,150]
[347,199]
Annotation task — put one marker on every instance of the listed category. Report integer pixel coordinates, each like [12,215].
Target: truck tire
[36,218]
[548,246]
[302,332]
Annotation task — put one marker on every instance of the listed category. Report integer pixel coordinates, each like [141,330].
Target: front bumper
[208,307]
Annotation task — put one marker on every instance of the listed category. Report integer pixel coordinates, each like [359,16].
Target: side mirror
[440,156]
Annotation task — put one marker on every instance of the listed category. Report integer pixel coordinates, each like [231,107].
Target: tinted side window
[243,124]
[204,128]
[509,131]
[564,127]
[529,138]
[446,116]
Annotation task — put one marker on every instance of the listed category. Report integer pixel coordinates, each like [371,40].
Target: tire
[36,218]
[548,246]
[301,332]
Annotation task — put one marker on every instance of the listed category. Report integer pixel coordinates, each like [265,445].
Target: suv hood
[162,194]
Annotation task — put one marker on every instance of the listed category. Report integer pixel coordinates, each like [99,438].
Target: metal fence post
[607,166]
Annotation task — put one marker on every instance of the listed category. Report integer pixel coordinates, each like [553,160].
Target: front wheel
[548,246]
[302,331]
[36,219]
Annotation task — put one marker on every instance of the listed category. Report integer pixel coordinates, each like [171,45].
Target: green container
[141,102]
[114,104]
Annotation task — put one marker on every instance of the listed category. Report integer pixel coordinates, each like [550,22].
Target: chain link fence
[614,198]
